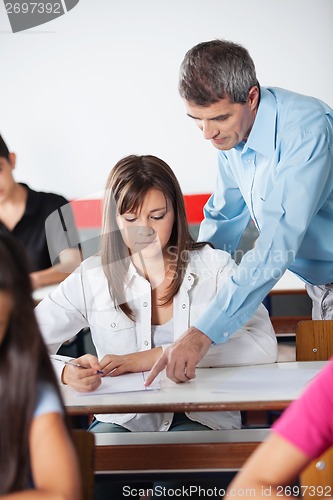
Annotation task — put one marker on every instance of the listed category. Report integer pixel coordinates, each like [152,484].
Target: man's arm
[182,357]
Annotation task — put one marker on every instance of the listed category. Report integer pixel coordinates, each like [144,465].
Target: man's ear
[12,160]
[253,97]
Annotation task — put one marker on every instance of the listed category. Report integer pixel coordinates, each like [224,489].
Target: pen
[73,363]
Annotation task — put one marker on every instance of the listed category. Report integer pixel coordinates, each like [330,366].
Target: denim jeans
[180,422]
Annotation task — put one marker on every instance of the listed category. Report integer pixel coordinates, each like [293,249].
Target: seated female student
[302,433]
[37,458]
[150,281]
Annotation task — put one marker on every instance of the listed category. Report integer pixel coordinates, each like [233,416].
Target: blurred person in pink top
[302,433]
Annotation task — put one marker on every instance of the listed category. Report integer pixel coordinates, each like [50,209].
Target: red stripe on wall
[194,204]
[88,213]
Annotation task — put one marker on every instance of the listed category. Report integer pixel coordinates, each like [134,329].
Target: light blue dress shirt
[282,178]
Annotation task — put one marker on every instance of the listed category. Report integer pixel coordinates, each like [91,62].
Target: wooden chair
[316,481]
[84,443]
[314,340]
[286,325]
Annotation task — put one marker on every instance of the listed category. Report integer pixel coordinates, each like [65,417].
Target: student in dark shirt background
[42,222]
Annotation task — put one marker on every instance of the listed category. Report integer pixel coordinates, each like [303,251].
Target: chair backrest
[314,340]
[316,481]
[84,442]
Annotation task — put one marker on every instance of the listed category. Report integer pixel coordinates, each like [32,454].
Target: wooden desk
[214,389]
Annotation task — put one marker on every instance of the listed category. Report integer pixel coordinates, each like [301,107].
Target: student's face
[6,307]
[149,229]
[7,181]
[225,124]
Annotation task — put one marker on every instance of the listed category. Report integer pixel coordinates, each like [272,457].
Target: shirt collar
[131,274]
[262,135]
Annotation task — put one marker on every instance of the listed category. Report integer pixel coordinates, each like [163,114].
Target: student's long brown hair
[128,183]
[24,363]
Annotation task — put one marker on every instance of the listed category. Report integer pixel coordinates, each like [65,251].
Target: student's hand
[181,358]
[83,380]
[114,365]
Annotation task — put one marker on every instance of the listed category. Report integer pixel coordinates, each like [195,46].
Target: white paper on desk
[256,381]
[129,382]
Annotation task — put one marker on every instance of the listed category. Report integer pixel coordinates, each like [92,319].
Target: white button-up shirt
[83,300]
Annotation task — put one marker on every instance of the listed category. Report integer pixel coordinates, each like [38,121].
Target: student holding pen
[150,280]
[37,457]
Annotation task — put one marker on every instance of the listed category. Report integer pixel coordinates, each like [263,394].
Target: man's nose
[209,130]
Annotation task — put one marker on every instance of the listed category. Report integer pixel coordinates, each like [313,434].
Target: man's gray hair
[215,70]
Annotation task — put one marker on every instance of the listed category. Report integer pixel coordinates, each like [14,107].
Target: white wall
[100,82]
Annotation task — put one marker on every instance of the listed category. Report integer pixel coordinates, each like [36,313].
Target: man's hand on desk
[86,378]
[181,358]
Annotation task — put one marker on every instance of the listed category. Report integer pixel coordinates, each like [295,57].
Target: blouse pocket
[112,333]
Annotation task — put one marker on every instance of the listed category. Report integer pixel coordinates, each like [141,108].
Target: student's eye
[158,217]
[129,218]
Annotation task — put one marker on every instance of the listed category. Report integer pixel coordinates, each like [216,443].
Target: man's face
[225,123]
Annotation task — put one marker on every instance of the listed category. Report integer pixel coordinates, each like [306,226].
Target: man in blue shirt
[275,166]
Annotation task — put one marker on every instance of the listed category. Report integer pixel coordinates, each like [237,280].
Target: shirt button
[113,325]
[248,161]
[146,342]
[226,334]
[189,278]
[145,304]
[183,306]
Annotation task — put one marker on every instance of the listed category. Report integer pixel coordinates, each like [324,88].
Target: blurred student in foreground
[37,458]
[302,433]
[42,222]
